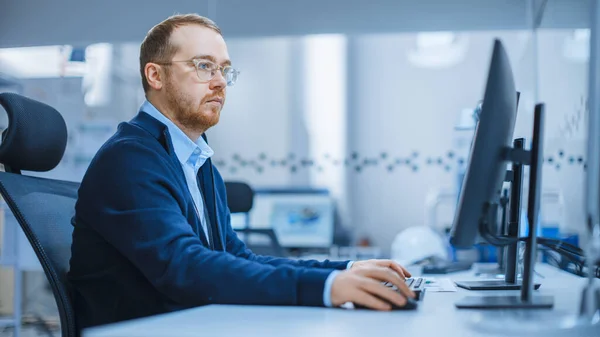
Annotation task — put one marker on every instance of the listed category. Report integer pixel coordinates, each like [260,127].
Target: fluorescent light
[39,62]
[576,47]
[438,50]
[97,80]
[325,104]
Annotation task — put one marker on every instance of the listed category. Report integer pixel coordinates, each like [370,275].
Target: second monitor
[490,153]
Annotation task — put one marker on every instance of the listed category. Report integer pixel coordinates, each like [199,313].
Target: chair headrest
[240,197]
[36,136]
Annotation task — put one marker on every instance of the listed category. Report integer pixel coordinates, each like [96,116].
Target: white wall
[256,118]
[563,87]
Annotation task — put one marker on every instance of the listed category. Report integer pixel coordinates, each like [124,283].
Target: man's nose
[218,81]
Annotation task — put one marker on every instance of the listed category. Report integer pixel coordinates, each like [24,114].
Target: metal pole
[516,190]
[593,159]
[533,204]
[17,311]
[590,302]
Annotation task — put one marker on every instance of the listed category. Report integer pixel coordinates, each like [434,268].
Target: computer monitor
[486,168]
[300,218]
[510,219]
[491,152]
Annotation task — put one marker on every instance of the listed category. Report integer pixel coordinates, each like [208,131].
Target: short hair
[157,46]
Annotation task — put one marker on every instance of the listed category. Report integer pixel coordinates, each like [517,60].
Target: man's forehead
[195,40]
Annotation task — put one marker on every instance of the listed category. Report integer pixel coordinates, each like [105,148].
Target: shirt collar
[187,151]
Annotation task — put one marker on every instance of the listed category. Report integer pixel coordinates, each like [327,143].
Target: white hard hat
[417,243]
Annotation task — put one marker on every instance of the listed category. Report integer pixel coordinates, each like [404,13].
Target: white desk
[436,316]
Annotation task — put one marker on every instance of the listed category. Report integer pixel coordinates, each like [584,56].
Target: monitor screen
[300,219]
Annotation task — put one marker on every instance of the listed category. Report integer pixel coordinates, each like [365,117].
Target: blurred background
[351,120]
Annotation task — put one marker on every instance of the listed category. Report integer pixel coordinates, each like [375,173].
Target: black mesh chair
[240,199]
[35,140]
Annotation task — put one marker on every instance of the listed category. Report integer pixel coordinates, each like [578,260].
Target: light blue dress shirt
[192,155]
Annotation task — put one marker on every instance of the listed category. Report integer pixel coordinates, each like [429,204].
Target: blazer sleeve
[238,248]
[131,196]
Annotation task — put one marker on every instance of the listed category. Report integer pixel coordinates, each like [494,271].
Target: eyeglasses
[207,70]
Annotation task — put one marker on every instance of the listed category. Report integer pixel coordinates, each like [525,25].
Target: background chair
[240,198]
[35,140]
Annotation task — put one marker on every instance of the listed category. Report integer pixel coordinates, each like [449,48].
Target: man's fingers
[376,288]
[395,266]
[398,269]
[381,274]
[404,270]
[387,275]
[364,298]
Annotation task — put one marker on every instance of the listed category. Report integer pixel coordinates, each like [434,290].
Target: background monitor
[301,218]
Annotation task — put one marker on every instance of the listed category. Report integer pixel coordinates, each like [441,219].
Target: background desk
[436,316]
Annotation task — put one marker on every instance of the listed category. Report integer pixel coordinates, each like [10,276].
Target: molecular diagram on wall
[384,161]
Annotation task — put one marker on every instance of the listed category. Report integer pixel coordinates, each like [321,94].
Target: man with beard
[152,229]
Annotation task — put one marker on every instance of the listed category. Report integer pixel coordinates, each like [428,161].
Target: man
[152,230]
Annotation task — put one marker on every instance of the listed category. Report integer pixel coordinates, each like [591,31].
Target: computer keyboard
[445,267]
[416,284]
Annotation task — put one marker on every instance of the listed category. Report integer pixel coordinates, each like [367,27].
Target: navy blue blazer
[138,247]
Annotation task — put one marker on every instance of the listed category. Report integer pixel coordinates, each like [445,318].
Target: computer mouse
[411,304]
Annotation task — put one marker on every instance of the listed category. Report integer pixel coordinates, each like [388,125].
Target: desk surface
[436,315]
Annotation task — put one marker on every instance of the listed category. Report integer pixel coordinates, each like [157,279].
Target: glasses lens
[206,71]
[205,75]
[230,75]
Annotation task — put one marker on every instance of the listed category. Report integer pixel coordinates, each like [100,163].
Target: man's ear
[154,75]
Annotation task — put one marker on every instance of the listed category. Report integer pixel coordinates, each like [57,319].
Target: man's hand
[364,286]
[383,263]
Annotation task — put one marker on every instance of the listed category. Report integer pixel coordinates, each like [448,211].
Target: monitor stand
[508,264]
[492,285]
[526,300]
[505,302]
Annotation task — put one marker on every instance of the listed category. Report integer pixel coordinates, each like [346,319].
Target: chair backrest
[35,140]
[240,196]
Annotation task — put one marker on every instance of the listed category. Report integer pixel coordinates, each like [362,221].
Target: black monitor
[486,169]
[492,150]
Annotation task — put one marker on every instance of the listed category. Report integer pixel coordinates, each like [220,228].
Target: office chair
[240,199]
[35,140]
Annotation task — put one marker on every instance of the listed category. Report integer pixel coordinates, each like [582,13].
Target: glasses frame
[197,61]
